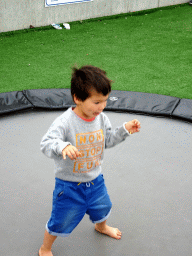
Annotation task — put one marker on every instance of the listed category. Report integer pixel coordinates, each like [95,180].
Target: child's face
[92,106]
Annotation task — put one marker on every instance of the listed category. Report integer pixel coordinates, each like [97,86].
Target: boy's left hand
[133,126]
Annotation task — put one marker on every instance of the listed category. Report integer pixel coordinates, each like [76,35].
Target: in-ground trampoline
[148,176]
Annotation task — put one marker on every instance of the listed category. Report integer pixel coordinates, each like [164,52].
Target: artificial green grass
[147,51]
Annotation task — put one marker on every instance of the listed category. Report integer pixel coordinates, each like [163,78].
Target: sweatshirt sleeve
[53,142]
[114,137]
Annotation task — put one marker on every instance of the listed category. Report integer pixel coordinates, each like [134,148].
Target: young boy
[76,141]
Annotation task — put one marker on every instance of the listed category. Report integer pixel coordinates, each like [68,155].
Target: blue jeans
[72,200]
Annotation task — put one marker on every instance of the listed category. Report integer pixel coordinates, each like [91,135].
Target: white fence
[20,14]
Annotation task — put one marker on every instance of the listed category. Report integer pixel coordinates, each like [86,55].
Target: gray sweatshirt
[90,138]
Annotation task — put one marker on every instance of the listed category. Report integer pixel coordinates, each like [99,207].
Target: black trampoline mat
[148,177]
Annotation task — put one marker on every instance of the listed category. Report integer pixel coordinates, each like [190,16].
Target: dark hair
[89,78]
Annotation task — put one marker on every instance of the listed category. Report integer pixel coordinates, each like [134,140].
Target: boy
[76,141]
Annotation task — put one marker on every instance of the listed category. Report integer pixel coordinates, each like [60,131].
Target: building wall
[20,14]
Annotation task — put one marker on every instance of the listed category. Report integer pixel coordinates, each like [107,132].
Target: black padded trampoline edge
[119,101]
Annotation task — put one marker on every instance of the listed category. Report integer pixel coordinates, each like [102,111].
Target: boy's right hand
[70,151]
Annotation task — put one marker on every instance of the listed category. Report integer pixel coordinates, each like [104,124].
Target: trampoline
[148,176]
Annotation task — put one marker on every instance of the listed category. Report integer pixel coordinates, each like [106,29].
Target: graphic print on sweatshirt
[90,145]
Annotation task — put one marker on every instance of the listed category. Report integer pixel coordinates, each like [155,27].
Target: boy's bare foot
[105,229]
[44,252]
